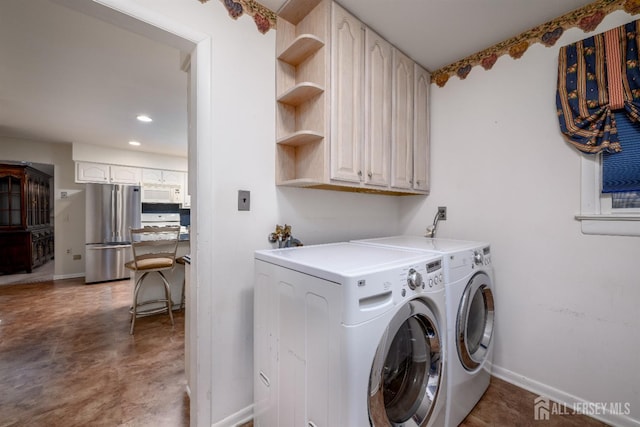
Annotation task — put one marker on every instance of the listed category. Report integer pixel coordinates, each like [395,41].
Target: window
[598,104]
[597,214]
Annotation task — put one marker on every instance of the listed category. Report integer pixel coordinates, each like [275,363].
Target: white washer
[349,335]
[468,274]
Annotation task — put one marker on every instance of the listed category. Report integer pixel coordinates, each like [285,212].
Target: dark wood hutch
[26,232]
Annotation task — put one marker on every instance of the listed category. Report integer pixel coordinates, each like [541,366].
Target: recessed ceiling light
[136,143]
[144,118]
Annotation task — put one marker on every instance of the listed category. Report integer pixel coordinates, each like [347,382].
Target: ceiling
[69,77]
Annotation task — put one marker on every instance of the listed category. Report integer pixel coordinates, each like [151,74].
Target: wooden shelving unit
[302,79]
[300,138]
[320,65]
[300,49]
[300,93]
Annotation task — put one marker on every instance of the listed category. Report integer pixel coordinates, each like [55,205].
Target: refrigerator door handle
[103,247]
[114,210]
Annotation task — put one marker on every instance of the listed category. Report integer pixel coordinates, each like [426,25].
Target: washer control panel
[482,256]
[423,277]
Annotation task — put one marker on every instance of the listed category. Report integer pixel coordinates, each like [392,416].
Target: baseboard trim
[561,397]
[242,416]
[67,276]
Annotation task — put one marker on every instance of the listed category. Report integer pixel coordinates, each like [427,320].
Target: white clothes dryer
[349,335]
[468,276]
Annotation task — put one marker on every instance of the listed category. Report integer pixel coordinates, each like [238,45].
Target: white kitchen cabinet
[421,153]
[377,109]
[165,177]
[107,174]
[92,172]
[402,121]
[124,175]
[186,198]
[346,96]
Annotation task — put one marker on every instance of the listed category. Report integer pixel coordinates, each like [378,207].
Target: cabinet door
[402,121]
[346,100]
[125,175]
[92,172]
[421,130]
[377,95]
[173,178]
[152,176]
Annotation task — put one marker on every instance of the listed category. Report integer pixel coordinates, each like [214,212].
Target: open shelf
[300,137]
[300,49]
[300,182]
[300,93]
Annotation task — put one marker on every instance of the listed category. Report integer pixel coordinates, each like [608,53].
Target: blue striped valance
[597,76]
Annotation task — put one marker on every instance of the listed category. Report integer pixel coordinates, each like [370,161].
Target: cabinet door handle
[370,174]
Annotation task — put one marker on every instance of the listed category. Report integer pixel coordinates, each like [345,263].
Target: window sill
[612,225]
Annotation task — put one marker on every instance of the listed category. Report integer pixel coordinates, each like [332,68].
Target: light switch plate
[244,200]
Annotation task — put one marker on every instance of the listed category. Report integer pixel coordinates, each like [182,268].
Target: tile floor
[67,359]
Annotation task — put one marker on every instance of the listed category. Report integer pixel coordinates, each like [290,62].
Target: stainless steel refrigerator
[111,210]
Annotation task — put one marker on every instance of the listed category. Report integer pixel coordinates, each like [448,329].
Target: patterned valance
[264,18]
[598,76]
[586,18]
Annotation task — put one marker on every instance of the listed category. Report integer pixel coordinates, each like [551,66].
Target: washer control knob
[414,279]
[431,283]
[477,258]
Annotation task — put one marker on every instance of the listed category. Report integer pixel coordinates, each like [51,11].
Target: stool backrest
[157,243]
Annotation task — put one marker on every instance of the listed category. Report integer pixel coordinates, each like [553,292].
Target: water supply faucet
[283,236]
[441,214]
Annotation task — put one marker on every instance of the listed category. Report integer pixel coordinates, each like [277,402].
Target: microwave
[161,194]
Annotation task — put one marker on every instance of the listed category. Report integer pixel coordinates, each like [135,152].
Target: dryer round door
[474,323]
[406,372]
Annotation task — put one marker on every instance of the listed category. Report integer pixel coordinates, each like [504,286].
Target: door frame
[142,20]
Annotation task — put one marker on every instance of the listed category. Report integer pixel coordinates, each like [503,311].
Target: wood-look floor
[67,359]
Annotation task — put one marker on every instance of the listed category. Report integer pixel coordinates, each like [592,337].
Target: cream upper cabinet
[402,121]
[377,101]
[346,96]
[422,80]
[359,135]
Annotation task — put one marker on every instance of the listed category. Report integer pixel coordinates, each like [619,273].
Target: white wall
[69,212]
[567,303]
[100,154]
[243,158]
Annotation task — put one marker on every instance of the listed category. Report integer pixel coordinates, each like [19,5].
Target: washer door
[407,368]
[474,323]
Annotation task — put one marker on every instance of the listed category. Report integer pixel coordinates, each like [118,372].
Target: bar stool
[182,262]
[154,250]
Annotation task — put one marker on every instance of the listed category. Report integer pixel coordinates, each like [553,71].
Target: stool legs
[167,300]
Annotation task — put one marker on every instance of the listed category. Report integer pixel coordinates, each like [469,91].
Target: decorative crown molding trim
[264,18]
[587,18]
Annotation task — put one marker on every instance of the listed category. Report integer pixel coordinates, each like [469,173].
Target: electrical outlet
[244,200]
[442,213]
